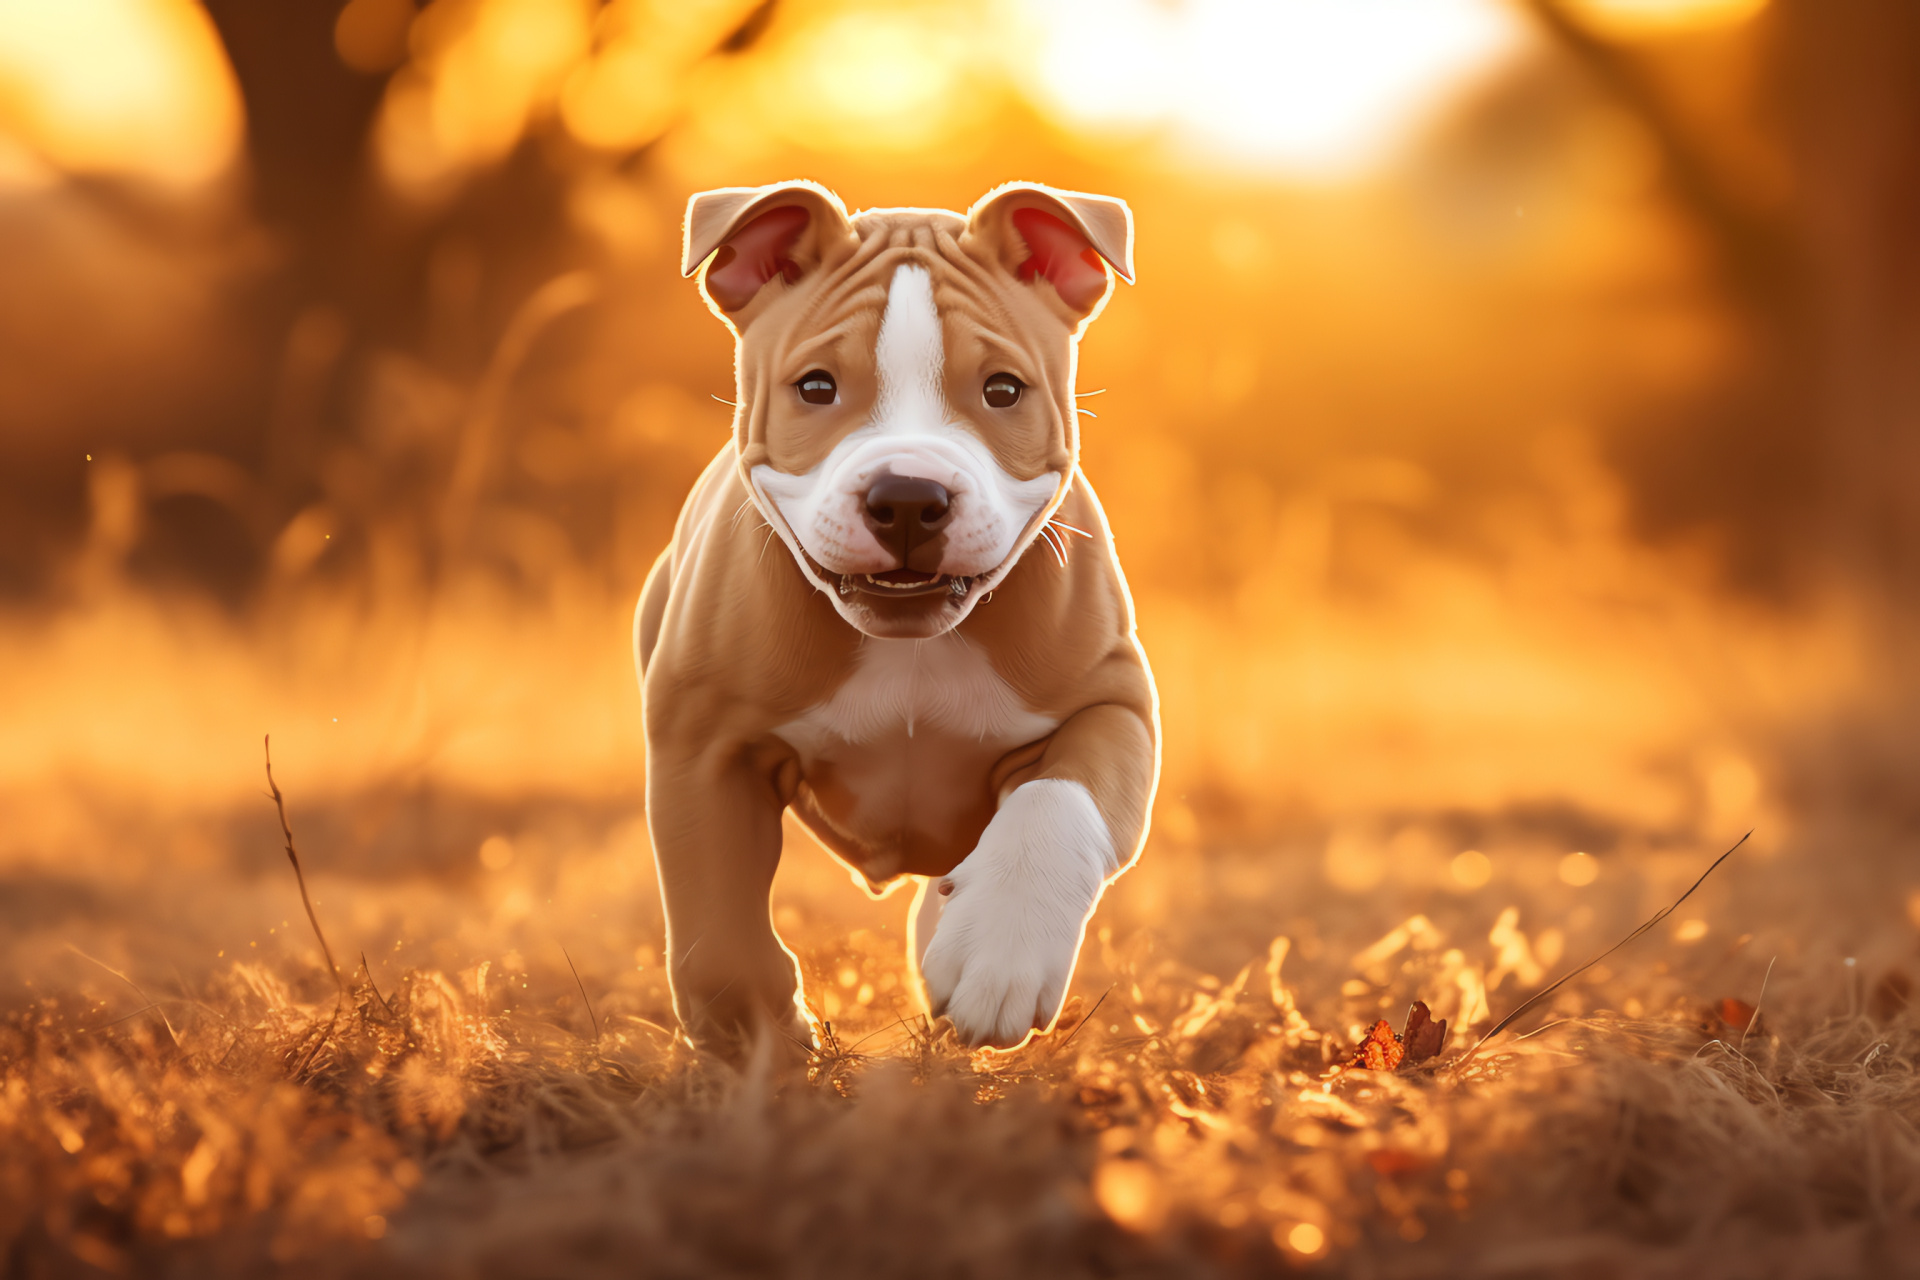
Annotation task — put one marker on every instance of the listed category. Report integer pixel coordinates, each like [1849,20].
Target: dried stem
[584,997]
[306,900]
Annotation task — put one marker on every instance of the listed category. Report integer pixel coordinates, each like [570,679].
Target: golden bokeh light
[1640,18]
[1130,1193]
[633,86]
[1579,870]
[1471,869]
[892,81]
[133,88]
[1305,89]
[481,71]
[1297,87]
[1305,1239]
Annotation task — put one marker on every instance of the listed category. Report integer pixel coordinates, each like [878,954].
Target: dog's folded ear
[753,234]
[1062,237]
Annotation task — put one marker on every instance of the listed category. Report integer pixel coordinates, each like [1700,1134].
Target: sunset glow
[133,87]
[1506,444]
[1303,88]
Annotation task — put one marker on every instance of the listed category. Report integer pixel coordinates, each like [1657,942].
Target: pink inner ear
[1062,255]
[756,254]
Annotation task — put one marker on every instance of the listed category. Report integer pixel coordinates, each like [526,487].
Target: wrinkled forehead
[843,310]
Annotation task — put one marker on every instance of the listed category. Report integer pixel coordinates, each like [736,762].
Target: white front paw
[1003,951]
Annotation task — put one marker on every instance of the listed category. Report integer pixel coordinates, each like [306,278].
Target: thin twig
[1507,1021]
[306,900]
[587,1000]
[1084,1021]
[300,876]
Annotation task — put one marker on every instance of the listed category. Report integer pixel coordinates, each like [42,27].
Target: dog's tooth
[846,584]
[958,587]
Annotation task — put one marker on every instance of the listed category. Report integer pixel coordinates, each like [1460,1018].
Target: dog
[852,621]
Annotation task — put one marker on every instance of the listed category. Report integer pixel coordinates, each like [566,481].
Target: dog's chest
[938,688]
[897,758]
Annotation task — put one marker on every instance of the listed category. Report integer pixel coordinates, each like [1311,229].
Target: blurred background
[1510,439]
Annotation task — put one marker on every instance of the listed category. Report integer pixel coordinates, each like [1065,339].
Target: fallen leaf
[1380,1051]
[1424,1037]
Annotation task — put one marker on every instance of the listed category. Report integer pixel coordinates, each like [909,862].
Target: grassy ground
[183,1092]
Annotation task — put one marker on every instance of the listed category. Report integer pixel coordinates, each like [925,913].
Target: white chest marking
[944,685]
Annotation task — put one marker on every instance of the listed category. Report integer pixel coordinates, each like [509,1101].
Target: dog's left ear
[1065,238]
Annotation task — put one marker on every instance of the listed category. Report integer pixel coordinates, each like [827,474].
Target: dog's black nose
[903,505]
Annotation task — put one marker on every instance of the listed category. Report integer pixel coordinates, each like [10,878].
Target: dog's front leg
[713,811]
[1016,908]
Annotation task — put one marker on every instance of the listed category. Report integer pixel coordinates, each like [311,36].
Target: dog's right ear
[755,234]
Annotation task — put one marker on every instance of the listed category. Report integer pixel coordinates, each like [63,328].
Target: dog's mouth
[895,584]
[902,582]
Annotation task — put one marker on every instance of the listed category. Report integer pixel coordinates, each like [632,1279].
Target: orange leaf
[1380,1051]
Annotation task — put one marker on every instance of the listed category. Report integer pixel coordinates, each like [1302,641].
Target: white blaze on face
[910,357]
[911,433]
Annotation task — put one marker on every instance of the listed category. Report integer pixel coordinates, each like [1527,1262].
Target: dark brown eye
[1003,391]
[818,387]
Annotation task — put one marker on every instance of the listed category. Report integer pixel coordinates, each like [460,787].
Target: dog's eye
[1003,391]
[818,387]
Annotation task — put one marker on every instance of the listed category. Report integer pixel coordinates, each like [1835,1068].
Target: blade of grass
[374,986]
[1084,1021]
[151,1002]
[585,999]
[1755,1019]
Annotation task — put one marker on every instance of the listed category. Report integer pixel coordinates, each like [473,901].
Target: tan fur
[737,640]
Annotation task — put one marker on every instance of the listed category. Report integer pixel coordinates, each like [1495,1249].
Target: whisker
[1090,413]
[1058,523]
[1084,394]
[1058,549]
[729,403]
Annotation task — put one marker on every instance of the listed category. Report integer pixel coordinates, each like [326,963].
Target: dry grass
[465,1115]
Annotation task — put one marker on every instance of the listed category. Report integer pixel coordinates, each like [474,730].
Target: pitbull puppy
[852,621]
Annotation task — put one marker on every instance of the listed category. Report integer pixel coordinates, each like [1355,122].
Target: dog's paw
[1004,948]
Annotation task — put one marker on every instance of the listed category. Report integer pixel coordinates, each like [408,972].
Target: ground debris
[1383,1050]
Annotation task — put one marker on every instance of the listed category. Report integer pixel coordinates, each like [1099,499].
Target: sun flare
[1307,88]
